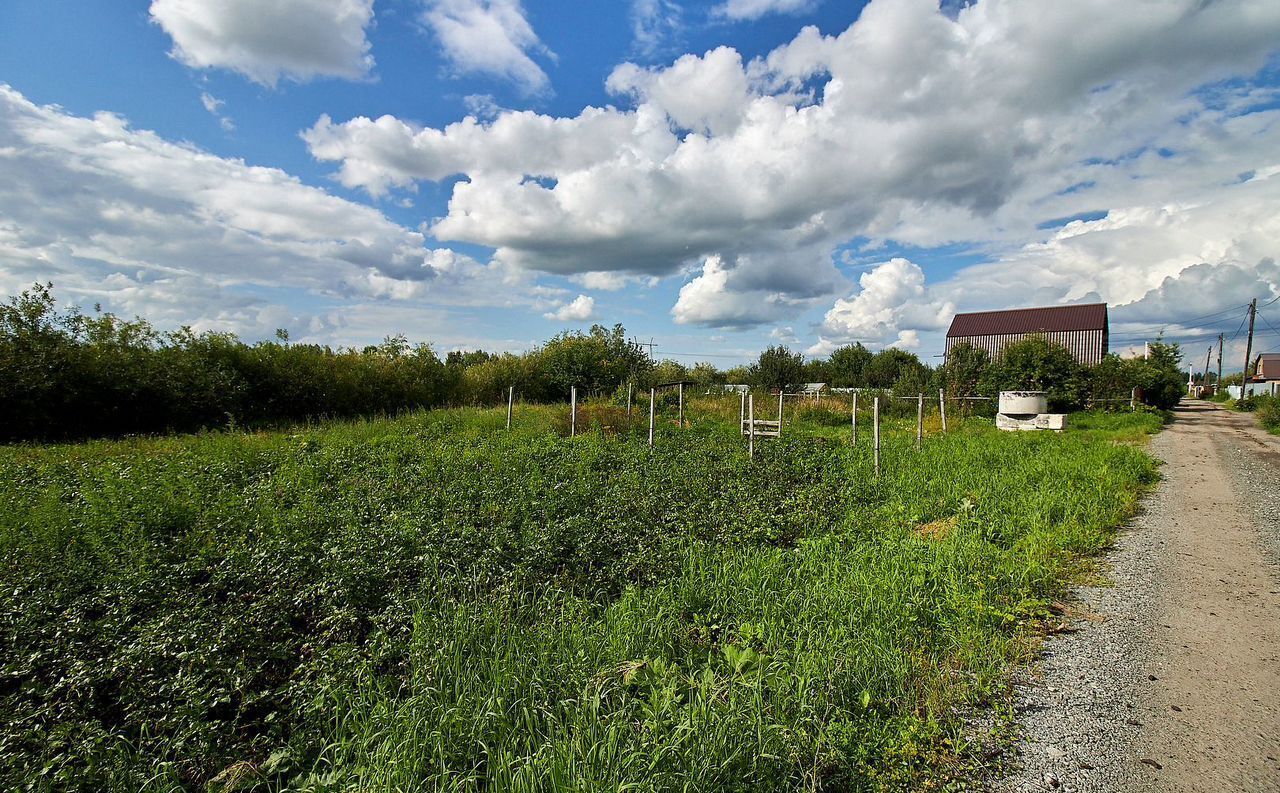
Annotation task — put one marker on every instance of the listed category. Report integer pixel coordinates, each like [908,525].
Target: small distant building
[812,389]
[736,388]
[1082,328]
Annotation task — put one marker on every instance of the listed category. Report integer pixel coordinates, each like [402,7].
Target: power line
[1239,328]
[703,354]
[1268,324]
[1174,336]
[1187,320]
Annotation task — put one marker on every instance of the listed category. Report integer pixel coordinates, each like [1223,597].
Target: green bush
[1265,407]
[66,375]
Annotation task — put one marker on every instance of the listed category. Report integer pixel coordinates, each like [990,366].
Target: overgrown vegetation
[66,375]
[436,603]
[1265,407]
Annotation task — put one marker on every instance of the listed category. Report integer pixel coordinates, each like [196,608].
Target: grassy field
[435,603]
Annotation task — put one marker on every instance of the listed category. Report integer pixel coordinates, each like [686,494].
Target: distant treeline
[68,375]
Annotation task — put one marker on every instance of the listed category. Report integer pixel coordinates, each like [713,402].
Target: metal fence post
[681,419]
[511,398]
[942,409]
[573,411]
[751,425]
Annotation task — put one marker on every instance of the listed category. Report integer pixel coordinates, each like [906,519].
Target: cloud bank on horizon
[1086,151]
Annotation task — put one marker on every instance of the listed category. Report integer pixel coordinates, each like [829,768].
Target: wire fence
[754,427]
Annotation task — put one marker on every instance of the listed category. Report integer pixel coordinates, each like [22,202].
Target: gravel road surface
[1169,679]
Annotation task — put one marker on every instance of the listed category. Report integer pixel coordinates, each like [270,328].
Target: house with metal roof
[1267,368]
[1082,328]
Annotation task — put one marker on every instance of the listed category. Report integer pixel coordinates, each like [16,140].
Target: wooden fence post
[628,401]
[919,419]
[779,412]
[652,402]
[751,425]
[875,432]
[573,411]
[680,388]
[1133,397]
[942,409]
[511,398]
[742,411]
[853,418]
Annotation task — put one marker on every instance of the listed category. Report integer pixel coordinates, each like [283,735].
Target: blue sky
[717,176]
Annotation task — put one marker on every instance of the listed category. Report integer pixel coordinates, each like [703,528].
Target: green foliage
[1265,407]
[66,375]
[963,370]
[1268,412]
[597,362]
[896,369]
[847,366]
[1157,378]
[669,371]
[1036,364]
[435,603]
[706,375]
[777,367]
[1159,375]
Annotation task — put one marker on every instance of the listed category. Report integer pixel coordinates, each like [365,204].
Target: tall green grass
[435,603]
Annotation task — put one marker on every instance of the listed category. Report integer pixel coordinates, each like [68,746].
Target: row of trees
[70,375]
[1030,364]
[1037,364]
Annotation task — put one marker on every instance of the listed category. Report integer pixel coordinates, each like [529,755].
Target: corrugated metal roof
[1047,319]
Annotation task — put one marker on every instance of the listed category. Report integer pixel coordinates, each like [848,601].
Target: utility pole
[1205,385]
[1248,349]
[1218,385]
[640,344]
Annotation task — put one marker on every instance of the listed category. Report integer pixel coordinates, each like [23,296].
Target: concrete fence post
[919,419]
[653,401]
[875,433]
[853,418]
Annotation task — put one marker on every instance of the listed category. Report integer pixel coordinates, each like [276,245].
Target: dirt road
[1170,678]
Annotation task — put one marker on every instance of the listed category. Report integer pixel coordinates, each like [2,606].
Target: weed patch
[434,603]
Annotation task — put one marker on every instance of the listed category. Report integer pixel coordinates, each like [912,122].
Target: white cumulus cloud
[754,9]
[491,37]
[912,126]
[265,41]
[580,309]
[142,225]
[889,309]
